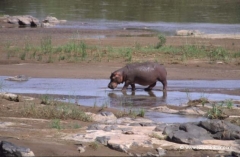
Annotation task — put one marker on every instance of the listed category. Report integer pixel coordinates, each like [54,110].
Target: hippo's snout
[112,85]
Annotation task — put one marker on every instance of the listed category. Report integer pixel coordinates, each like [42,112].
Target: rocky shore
[132,136]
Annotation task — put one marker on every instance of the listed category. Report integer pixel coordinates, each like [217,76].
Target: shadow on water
[135,100]
[94,92]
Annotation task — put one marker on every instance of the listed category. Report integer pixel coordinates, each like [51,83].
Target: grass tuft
[54,111]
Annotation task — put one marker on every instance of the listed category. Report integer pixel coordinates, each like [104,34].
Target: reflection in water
[134,99]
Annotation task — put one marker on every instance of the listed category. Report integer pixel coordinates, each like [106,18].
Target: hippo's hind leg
[133,87]
[164,83]
[150,87]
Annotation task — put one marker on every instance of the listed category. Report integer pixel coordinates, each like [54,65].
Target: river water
[166,16]
[91,92]
[94,92]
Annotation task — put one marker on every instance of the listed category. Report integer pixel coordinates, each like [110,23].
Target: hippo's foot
[147,89]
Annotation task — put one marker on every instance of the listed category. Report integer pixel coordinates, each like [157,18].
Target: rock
[192,111]
[12,20]
[9,149]
[111,127]
[235,154]
[51,21]
[186,133]
[103,140]
[161,152]
[128,132]
[147,124]
[164,109]
[28,20]
[134,124]
[24,20]
[169,130]
[18,78]
[47,25]
[129,121]
[109,118]
[160,127]
[221,129]
[95,127]
[106,113]
[107,128]
[10,97]
[6,124]
[187,32]
[150,154]
[195,130]
[119,147]
[81,149]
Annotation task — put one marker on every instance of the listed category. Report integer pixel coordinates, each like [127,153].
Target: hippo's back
[143,67]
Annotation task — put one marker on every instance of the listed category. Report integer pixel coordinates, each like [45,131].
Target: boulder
[51,21]
[188,133]
[10,97]
[103,140]
[28,20]
[18,78]
[95,127]
[160,127]
[195,133]
[103,117]
[188,32]
[9,149]
[221,129]
[24,20]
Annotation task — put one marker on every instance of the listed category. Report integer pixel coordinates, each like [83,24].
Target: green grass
[162,41]
[56,124]
[216,111]
[94,145]
[229,103]
[54,111]
[78,51]
[46,99]
[46,45]
[141,113]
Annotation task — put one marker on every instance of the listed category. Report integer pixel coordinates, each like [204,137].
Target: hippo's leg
[164,82]
[150,87]
[125,86]
[133,87]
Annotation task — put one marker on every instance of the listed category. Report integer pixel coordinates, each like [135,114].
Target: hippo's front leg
[125,86]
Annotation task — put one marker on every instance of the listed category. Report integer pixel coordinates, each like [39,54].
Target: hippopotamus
[145,74]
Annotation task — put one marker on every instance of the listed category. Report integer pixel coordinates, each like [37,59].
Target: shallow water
[94,92]
[167,16]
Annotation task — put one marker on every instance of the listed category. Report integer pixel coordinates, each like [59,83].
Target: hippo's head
[115,79]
